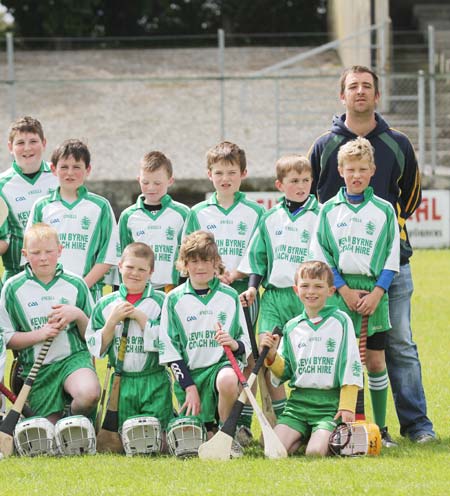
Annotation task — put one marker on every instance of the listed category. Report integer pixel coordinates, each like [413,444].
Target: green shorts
[146,393]
[278,306]
[379,321]
[308,410]
[47,394]
[205,380]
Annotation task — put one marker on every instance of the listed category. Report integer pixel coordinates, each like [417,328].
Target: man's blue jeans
[403,362]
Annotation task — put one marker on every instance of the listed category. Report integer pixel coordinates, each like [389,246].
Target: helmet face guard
[75,436]
[35,436]
[185,435]
[355,439]
[141,435]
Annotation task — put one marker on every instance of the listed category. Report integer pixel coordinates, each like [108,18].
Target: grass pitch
[408,470]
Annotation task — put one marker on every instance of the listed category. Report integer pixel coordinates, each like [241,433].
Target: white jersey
[188,324]
[142,345]
[161,230]
[232,227]
[20,193]
[321,353]
[87,229]
[280,244]
[26,303]
[358,239]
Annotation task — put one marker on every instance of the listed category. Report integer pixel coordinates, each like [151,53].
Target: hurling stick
[10,422]
[108,438]
[273,447]
[98,419]
[266,400]
[26,410]
[219,446]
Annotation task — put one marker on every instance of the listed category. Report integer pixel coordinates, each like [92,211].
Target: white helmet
[35,436]
[75,436]
[185,435]
[356,438]
[141,435]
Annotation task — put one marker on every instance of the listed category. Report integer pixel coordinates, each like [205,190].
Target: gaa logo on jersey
[211,227]
[19,198]
[55,221]
[190,318]
[278,232]
[32,304]
[139,233]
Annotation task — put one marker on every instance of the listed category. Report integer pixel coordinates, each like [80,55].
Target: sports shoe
[236,449]
[386,439]
[424,438]
[244,436]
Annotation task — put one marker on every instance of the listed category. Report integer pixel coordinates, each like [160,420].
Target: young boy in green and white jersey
[145,387]
[85,221]
[41,302]
[189,342]
[156,219]
[358,237]
[320,359]
[28,179]
[276,249]
[232,218]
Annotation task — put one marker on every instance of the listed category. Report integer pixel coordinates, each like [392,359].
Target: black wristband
[181,373]
[254,280]
[241,348]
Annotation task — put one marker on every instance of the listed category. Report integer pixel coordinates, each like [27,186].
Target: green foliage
[146,17]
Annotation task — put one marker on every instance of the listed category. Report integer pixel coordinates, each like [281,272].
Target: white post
[421,117]
[431,70]
[11,76]
[221,42]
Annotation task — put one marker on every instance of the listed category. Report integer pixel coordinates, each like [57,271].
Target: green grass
[409,470]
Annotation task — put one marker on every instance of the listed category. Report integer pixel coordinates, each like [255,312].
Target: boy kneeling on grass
[320,359]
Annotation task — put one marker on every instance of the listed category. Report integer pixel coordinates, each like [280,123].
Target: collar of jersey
[123,291]
[43,168]
[212,284]
[81,193]
[326,311]
[342,198]
[30,275]
[165,200]
[238,196]
[308,205]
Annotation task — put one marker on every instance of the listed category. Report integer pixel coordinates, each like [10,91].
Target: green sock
[378,387]
[246,416]
[278,407]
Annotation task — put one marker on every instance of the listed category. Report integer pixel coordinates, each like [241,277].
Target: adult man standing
[397,180]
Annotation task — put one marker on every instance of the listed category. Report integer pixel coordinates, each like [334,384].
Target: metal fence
[182,101]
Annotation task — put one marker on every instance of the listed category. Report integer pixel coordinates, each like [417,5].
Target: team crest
[222,318]
[242,228]
[370,228]
[85,223]
[91,341]
[356,368]
[170,233]
[64,301]
[331,345]
[305,236]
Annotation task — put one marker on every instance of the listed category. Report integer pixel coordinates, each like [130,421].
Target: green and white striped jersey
[87,229]
[358,238]
[232,227]
[26,302]
[142,346]
[321,353]
[188,324]
[161,230]
[20,193]
[280,244]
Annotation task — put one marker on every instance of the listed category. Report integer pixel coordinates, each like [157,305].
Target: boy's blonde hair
[314,269]
[71,148]
[25,124]
[202,245]
[40,231]
[139,250]
[153,161]
[288,163]
[226,152]
[359,148]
